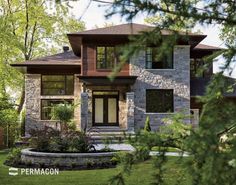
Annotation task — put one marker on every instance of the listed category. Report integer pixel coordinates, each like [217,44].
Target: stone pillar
[84,111]
[130,111]
[32,103]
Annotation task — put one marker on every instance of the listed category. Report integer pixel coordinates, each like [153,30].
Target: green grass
[169,149]
[141,175]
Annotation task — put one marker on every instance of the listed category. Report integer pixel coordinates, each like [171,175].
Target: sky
[94,16]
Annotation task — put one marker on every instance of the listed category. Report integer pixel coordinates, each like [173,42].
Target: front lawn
[142,175]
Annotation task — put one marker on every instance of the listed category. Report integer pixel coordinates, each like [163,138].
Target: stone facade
[177,79]
[84,111]
[132,100]
[33,99]
[130,111]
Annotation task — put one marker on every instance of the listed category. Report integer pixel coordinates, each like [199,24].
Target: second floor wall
[100,60]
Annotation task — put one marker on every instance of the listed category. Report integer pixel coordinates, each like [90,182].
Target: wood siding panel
[89,63]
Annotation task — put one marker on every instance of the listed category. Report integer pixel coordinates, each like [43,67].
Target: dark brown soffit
[104,80]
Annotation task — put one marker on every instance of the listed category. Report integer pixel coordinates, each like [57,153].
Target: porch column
[84,111]
[130,111]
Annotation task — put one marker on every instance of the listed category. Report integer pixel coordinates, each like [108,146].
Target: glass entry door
[105,110]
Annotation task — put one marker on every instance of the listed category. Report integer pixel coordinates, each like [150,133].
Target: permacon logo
[13,171]
[33,171]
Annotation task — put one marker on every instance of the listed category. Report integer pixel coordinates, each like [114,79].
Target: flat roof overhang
[48,69]
[104,80]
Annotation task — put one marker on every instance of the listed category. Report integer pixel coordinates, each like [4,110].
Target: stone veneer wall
[130,111]
[122,103]
[33,103]
[177,79]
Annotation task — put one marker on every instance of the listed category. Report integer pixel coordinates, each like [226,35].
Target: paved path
[125,147]
[128,147]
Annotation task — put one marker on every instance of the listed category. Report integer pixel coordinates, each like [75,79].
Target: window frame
[65,85]
[172,103]
[116,57]
[146,59]
[41,106]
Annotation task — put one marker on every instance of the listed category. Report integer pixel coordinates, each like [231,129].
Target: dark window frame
[65,85]
[56,100]
[162,100]
[160,62]
[105,98]
[116,57]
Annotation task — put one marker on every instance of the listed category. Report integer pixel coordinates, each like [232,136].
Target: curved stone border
[66,159]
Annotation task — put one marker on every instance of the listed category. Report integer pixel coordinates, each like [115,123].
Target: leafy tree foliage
[30,29]
[64,113]
[213,158]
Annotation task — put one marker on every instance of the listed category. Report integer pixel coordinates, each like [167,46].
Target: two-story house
[144,86]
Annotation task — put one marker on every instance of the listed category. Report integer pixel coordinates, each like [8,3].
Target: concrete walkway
[124,147]
[128,147]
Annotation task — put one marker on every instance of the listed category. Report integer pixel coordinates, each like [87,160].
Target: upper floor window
[159,100]
[57,85]
[107,57]
[155,61]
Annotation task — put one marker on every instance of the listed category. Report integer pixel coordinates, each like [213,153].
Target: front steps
[109,135]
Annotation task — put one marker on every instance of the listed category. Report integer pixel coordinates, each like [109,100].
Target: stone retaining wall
[65,159]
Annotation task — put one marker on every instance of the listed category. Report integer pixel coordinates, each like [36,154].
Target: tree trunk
[22,98]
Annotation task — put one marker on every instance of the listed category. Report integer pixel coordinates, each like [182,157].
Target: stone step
[107,129]
[113,137]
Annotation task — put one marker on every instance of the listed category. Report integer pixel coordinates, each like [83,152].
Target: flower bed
[68,160]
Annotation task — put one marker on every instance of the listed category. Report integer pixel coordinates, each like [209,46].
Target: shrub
[41,139]
[147,126]
[50,140]
[14,157]
[64,113]
[59,144]
[81,142]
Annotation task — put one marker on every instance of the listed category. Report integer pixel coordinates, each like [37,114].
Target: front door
[105,109]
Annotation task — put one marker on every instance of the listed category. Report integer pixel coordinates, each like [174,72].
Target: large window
[57,84]
[47,105]
[159,100]
[107,57]
[156,61]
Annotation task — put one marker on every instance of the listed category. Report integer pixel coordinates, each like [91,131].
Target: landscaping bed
[68,160]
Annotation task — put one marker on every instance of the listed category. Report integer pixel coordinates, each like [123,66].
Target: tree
[31,29]
[64,113]
[213,160]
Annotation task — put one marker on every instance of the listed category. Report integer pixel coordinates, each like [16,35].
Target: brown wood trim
[53,70]
[103,80]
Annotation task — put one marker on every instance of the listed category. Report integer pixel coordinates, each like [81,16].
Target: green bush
[59,144]
[147,126]
[64,113]
[41,139]
[14,157]
[49,140]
